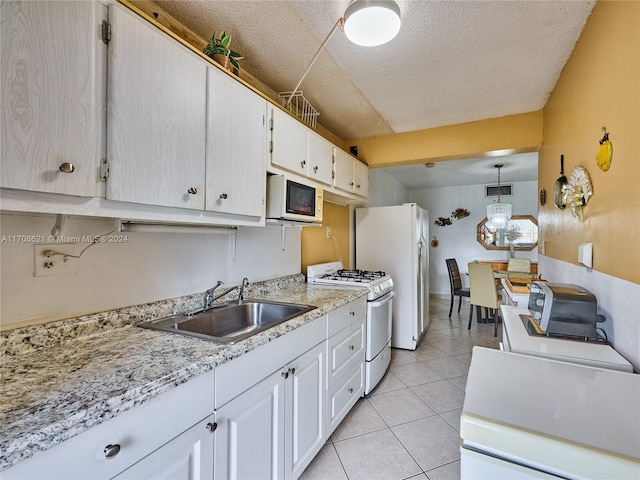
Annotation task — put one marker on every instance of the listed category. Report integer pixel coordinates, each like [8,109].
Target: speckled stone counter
[62,378]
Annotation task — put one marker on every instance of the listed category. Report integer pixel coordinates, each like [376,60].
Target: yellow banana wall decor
[605,151]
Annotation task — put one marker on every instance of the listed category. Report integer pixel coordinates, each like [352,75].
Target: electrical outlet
[49,259]
[328,232]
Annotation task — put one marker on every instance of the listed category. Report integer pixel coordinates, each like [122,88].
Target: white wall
[617,301]
[459,240]
[147,267]
[385,190]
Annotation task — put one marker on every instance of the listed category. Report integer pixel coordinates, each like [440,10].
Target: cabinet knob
[303,163]
[315,169]
[224,196]
[192,191]
[351,347]
[67,167]
[351,184]
[212,427]
[350,390]
[352,314]
[284,375]
[292,371]
[110,451]
[358,186]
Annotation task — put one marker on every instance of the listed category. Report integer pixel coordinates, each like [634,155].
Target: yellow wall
[599,86]
[507,135]
[317,248]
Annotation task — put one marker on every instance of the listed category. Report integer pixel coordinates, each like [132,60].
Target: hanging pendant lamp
[499,213]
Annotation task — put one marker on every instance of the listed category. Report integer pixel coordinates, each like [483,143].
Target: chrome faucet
[245,282]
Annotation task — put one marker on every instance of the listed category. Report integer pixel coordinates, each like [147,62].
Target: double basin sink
[230,323]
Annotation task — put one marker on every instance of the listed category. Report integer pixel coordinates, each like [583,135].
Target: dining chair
[455,281]
[483,292]
[519,267]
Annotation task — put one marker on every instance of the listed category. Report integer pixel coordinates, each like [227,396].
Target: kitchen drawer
[138,432]
[345,315]
[342,396]
[345,349]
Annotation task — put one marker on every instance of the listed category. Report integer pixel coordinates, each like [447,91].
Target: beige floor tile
[460,382]
[400,406]
[388,383]
[441,396]
[325,466]
[401,357]
[377,455]
[362,418]
[427,351]
[453,418]
[431,441]
[450,471]
[452,347]
[447,367]
[417,373]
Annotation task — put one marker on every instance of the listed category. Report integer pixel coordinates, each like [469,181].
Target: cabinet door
[236,147]
[288,142]
[189,456]
[360,178]
[320,161]
[343,171]
[305,410]
[156,118]
[52,96]
[249,440]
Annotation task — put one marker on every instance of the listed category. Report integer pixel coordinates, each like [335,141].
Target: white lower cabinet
[189,456]
[274,429]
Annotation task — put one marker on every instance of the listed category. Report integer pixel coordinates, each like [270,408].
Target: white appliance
[379,303]
[394,239]
[529,417]
[294,200]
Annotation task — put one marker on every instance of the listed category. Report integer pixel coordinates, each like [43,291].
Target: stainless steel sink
[230,323]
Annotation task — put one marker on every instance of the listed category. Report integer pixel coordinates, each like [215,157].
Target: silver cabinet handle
[224,196]
[351,184]
[292,371]
[351,347]
[352,314]
[284,375]
[67,167]
[192,191]
[110,451]
[303,163]
[350,390]
[315,169]
[358,186]
[212,427]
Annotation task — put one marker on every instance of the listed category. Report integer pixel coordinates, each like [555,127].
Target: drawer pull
[292,371]
[192,191]
[351,347]
[212,426]
[315,169]
[350,389]
[352,314]
[284,375]
[303,163]
[110,451]
[67,167]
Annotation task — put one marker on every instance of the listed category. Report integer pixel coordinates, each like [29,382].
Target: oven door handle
[385,299]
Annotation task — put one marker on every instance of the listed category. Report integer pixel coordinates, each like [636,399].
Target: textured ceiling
[452,62]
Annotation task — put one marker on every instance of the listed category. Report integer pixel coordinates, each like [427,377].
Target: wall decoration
[460,213]
[443,221]
[605,151]
[578,191]
[543,196]
[435,242]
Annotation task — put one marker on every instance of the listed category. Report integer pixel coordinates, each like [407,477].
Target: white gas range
[379,308]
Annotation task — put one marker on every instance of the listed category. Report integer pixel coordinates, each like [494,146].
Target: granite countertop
[62,378]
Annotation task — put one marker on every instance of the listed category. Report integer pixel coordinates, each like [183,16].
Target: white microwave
[293,200]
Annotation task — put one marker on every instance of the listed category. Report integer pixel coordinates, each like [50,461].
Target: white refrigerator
[394,239]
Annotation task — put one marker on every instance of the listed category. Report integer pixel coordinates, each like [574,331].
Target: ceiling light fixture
[371,22]
[498,213]
[367,23]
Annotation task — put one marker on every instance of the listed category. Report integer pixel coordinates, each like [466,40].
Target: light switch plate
[55,263]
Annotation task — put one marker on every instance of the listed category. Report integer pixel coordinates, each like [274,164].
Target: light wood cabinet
[156,117]
[52,96]
[294,147]
[351,175]
[236,152]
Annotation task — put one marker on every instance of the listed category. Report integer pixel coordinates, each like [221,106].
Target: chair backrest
[454,274]
[482,285]
[519,265]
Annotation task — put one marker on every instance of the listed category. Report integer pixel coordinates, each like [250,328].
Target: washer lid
[569,418]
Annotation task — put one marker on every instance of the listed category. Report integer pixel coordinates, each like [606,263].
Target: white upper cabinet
[351,175]
[288,142]
[156,118]
[320,158]
[52,96]
[236,147]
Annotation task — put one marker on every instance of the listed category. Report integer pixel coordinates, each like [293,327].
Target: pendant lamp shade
[371,22]
[499,213]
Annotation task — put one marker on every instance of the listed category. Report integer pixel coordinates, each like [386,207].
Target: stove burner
[361,276]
